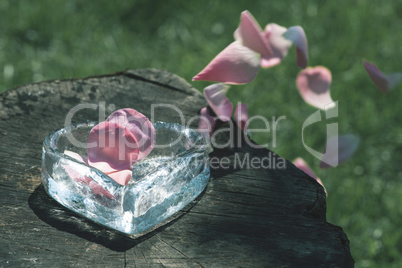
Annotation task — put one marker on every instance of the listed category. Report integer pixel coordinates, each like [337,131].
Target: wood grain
[247,217]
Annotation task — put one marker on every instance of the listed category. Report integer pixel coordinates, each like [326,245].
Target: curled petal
[313,84]
[250,35]
[383,82]
[117,143]
[116,147]
[206,124]
[298,37]
[279,45]
[139,125]
[241,116]
[216,98]
[236,64]
[338,149]
[301,164]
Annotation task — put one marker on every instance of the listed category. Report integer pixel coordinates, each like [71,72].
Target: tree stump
[246,217]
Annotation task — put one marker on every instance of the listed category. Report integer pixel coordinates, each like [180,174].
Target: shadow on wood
[54,214]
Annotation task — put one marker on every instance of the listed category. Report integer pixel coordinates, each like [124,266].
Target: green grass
[42,40]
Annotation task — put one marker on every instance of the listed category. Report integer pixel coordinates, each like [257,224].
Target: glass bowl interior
[169,178]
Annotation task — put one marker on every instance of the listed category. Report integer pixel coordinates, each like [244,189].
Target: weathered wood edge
[316,208]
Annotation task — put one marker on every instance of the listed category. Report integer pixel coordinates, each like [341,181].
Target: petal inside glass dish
[168,179]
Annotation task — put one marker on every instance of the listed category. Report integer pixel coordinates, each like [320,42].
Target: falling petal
[116,147]
[313,84]
[241,116]
[250,35]
[206,124]
[301,164]
[216,98]
[338,149]
[139,125]
[383,82]
[236,64]
[298,37]
[279,45]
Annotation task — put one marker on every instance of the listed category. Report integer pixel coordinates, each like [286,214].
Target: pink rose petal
[241,116]
[76,156]
[73,173]
[206,124]
[216,98]
[338,149]
[298,37]
[236,64]
[122,176]
[250,35]
[279,45]
[124,138]
[313,84]
[117,147]
[117,143]
[301,164]
[383,82]
[139,125]
[96,188]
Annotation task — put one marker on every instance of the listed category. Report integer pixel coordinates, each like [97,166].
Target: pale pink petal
[298,37]
[236,64]
[84,180]
[216,98]
[250,35]
[338,149]
[73,173]
[99,190]
[139,125]
[313,84]
[206,124]
[241,116]
[383,82]
[116,147]
[301,164]
[279,45]
[104,166]
[76,156]
[122,176]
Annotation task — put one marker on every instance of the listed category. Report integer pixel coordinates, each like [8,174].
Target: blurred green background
[42,40]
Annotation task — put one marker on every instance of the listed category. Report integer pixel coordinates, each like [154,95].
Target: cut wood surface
[247,217]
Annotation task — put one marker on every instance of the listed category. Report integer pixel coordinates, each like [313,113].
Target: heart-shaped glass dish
[167,180]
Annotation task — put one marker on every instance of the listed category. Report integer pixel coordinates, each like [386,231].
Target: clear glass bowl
[168,179]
